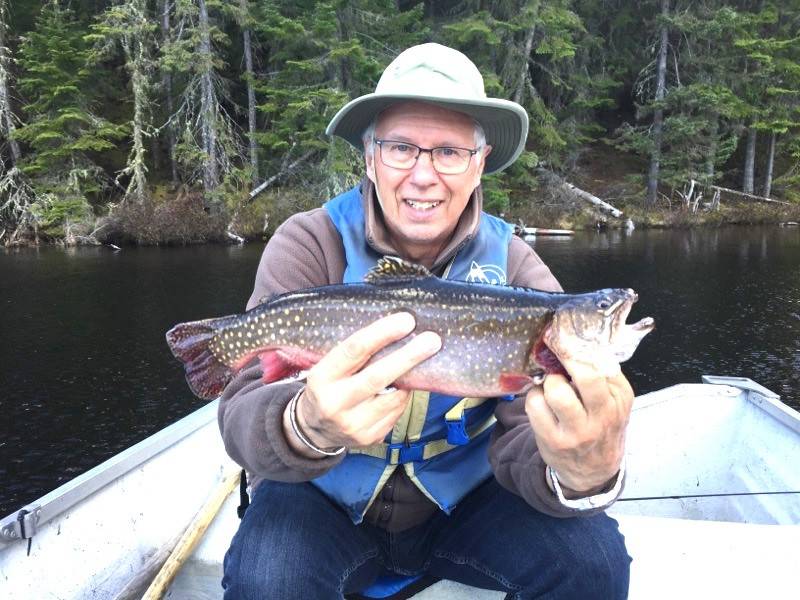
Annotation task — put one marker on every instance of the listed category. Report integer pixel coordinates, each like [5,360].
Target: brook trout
[496,340]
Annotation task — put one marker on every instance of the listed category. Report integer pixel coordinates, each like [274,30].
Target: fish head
[591,328]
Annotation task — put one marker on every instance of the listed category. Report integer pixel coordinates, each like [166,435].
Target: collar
[377,234]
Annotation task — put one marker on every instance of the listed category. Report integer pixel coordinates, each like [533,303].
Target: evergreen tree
[770,43]
[209,146]
[62,132]
[127,24]
[246,22]
[8,119]
[323,53]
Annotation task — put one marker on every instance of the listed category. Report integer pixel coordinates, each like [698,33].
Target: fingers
[382,373]
[390,411]
[562,399]
[543,420]
[351,354]
[600,389]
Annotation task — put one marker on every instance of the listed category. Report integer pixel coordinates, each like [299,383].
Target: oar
[191,537]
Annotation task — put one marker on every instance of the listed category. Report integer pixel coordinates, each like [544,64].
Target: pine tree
[62,132]
[772,48]
[323,53]
[127,24]
[246,22]
[8,119]
[209,146]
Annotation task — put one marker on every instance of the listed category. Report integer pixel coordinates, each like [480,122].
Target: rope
[725,495]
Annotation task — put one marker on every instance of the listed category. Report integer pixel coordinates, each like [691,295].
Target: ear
[482,163]
[369,164]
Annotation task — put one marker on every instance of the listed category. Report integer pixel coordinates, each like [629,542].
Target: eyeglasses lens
[448,161]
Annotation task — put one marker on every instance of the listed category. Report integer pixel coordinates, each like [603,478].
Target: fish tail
[206,374]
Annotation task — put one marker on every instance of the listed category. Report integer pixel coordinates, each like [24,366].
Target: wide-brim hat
[445,77]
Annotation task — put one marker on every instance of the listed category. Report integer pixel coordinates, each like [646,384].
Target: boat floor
[672,558]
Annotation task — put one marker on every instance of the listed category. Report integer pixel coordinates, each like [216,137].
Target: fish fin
[206,375]
[280,363]
[266,298]
[275,366]
[511,383]
[391,269]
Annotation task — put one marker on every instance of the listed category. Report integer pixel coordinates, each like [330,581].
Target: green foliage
[54,213]
[322,54]
[62,134]
[88,80]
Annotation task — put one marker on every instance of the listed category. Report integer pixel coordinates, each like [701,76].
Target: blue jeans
[295,543]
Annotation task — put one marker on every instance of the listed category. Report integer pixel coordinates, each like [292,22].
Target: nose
[423,173]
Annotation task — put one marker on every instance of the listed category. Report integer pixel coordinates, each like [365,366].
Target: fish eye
[604,304]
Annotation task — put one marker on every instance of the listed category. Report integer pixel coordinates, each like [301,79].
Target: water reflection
[85,370]
[726,301]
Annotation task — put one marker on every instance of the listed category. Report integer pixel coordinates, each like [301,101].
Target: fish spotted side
[496,340]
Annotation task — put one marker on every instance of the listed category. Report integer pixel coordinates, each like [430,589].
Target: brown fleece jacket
[306,251]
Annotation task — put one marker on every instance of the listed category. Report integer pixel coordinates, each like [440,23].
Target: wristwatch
[601,500]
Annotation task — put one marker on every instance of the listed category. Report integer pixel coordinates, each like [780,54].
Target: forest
[152,121]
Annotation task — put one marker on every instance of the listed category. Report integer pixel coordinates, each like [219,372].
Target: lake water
[85,371]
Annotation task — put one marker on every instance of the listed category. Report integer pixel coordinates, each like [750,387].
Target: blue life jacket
[441,441]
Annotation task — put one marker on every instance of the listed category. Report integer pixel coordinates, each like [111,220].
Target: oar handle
[192,536]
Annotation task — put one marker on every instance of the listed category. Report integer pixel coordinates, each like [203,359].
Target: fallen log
[582,194]
[745,194]
[283,172]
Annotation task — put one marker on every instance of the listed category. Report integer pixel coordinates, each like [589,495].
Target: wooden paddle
[192,536]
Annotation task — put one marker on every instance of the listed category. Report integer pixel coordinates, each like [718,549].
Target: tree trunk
[207,104]
[139,83]
[770,164]
[6,114]
[166,83]
[251,94]
[524,73]
[749,161]
[133,44]
[711,156]
[658,116]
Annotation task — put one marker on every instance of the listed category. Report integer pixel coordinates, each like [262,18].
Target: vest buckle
[406,453]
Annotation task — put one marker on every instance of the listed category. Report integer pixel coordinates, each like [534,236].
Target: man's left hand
[580,425]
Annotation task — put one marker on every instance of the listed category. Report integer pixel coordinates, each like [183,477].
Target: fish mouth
[625,337]
[623,308]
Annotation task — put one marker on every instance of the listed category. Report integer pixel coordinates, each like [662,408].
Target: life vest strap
[457,433]
[402,453]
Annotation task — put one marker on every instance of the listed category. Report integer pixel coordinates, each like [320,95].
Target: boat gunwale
[761,397]
[64,497]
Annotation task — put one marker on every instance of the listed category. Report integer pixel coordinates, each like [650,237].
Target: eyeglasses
[446,160]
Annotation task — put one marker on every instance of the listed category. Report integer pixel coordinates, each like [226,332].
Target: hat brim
[504,122]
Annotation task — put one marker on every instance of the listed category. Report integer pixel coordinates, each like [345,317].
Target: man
[343,487]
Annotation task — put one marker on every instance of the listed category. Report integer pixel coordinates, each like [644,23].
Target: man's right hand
[341,405]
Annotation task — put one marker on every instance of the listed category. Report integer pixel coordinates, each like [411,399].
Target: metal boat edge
[23,523]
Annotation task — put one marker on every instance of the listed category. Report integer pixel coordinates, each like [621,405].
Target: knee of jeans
[603,565]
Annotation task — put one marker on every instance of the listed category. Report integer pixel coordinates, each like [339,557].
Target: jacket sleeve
[513,454]
[302,253]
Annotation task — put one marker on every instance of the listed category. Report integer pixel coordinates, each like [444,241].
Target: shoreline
[183,220]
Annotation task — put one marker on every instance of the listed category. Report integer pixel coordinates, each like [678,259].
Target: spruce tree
[209,148]
[62,132]
[127,25]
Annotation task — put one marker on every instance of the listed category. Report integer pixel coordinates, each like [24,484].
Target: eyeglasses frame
[420,149]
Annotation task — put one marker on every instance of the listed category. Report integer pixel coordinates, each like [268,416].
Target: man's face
[420,206]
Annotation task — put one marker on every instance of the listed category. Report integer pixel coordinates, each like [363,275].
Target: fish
[497,340]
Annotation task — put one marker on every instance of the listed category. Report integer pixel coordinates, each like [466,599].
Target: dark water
[85,371]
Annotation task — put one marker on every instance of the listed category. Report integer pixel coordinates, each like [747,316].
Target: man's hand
[580,426]
[341,405]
